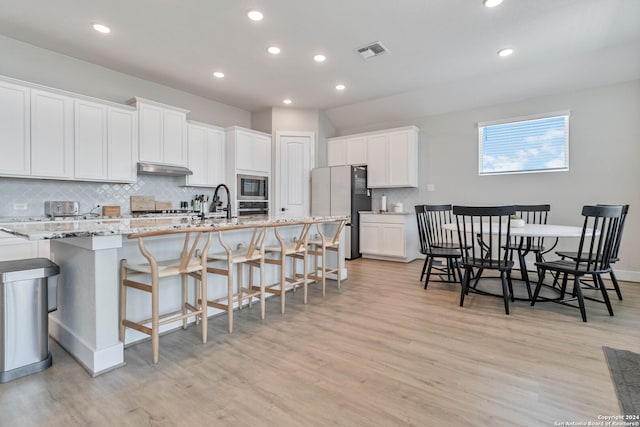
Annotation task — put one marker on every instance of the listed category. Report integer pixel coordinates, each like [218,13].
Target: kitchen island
[88,252]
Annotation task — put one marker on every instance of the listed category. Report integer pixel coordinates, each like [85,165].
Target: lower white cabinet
[392,237]
[13,248]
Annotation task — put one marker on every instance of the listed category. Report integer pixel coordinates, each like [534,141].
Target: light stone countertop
[59,229]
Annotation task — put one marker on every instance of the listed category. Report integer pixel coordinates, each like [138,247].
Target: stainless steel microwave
[253,187]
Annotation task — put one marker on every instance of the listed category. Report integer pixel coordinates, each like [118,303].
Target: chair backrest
[437,216]
[533,214]
[618,237]
[190,247]
[483,232]
[421,217]
[599,230]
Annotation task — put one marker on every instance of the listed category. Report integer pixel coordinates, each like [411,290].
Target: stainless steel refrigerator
[342,190]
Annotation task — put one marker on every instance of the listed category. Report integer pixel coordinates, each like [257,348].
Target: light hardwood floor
[380,352]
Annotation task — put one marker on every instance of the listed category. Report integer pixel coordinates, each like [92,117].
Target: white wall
[604,155]
[33,64]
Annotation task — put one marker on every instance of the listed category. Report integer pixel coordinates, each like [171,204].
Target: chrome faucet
[216,200]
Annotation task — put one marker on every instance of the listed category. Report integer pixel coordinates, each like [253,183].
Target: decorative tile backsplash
[33,193]
[409,196]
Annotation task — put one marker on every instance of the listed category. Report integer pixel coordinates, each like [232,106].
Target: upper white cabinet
[122,144]
[206,155]
[90,131]
[393,158]
[391,155]
[347,151]
[163,132]
[249,150]
[105,142]
[60,135]
[51,135]
[15,129]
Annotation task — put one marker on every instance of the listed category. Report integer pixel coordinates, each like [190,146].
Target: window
[525,144]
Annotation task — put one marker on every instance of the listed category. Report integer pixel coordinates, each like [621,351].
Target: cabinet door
[174,149]
[398,159]
[121,145]
[90,140]
[151,131]
[215,158]
[15,140]
[377,161]
[244,151]
[336,153]
[197,155]
[51,135]
[262,153]
[370,238]
[393,240]
[356,151]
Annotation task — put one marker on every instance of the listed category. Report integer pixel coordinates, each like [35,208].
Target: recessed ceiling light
[255,15]
[274,50]
[319,58]
[218,74]
[340,87]
[505,52]
[287,101]
[101,28]
[492,3]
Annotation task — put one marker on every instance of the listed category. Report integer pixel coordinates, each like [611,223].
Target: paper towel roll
[383,203]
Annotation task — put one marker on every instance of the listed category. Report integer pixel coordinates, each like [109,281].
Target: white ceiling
[443,52]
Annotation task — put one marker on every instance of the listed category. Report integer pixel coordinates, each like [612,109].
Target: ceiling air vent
[372,50]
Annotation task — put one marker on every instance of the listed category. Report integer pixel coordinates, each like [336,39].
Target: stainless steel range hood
[145,168]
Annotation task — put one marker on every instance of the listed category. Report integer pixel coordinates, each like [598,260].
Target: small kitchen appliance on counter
[61,208]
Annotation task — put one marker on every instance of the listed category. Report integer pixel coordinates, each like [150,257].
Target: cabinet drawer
[383,218]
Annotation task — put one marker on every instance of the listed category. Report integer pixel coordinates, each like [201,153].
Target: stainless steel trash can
[25,301]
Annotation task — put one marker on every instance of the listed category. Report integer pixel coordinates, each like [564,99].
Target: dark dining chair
[614,253]
[593,258]
[483,234]
[531,214]
[437,243]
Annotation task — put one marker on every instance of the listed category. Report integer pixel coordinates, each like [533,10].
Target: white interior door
[294,173]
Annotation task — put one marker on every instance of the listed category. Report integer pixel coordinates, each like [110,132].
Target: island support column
[86,322]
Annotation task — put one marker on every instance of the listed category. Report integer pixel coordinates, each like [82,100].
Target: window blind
[534,144]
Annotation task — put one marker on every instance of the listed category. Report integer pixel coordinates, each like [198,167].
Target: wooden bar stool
[253,256]
[320,245]
[295,250]
[192,262]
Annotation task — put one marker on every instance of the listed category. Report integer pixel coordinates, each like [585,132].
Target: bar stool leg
[183,278]
[262,296]
[283,281]
[324,269]
[202,292]
[155,312]
[230,296]
[123,299]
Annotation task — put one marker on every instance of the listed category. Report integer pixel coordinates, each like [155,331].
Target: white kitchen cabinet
[90,134]
[206,155]
[162,132]
[392,237]
[105,142]
[15,129]
[251,150]
[346,151]
[13,248]
[51,135]
[122,144]
[393,158]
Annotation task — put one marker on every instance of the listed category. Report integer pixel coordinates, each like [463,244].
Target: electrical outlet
[431,187]
[19,206]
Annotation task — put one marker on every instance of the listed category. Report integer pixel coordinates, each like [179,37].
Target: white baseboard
[93,360]
[627,276]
